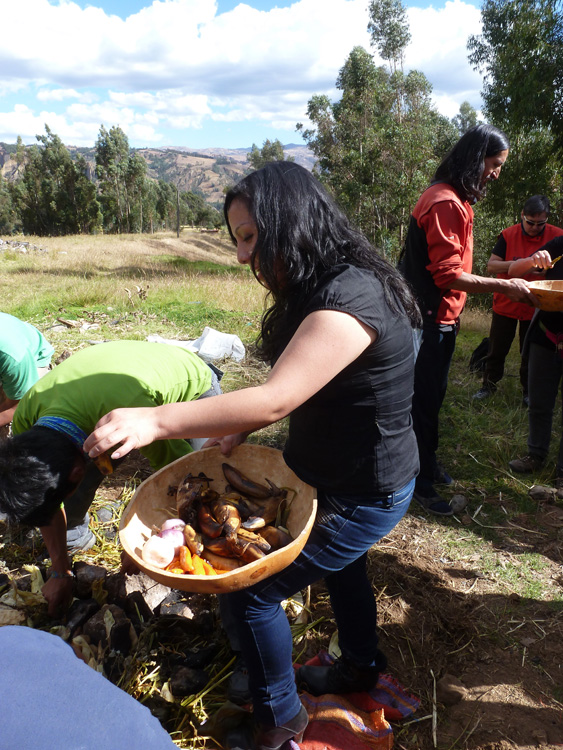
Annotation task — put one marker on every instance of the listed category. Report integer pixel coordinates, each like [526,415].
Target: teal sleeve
[17,377]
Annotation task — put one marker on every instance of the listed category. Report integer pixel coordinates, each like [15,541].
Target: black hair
[35,467]
[537,204]
[463,166]
[301,233]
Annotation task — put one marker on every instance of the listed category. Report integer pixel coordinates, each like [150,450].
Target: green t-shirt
[117,374]
[22,350]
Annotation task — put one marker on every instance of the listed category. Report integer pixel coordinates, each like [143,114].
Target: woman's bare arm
[326,342]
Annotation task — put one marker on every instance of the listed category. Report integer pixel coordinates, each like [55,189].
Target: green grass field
[130,286]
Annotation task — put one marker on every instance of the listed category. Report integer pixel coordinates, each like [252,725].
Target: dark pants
[501,336]
[430,384]
[546,368]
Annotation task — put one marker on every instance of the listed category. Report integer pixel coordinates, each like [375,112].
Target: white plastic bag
[212,345]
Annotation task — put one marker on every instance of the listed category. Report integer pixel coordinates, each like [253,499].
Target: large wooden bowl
[549,294]
[152,505]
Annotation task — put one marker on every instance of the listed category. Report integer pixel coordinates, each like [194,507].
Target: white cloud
[8,88]
[182,43]
[165,102]
[59,95]
[177,64]
[22,121]
[101,112]
[439,48]
[449,105]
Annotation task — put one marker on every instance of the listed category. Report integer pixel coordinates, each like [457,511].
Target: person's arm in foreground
[325,343]
[515,289]
[57,591]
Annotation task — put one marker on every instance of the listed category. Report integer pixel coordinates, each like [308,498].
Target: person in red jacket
[437,260]
[519,241]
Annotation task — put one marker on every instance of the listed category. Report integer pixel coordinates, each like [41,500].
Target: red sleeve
[446,230]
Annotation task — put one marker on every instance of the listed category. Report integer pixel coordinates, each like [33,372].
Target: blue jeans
[430,384]
[344,530]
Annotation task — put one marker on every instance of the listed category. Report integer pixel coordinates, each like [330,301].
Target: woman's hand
[227,443]
[126,428]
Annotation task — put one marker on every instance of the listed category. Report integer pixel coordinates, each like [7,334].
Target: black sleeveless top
[355,435]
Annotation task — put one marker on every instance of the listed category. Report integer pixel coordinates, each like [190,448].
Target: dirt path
[497,657]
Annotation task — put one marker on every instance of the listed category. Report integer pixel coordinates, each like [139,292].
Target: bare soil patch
[442,619]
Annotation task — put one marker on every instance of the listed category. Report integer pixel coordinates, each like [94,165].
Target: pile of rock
[21,247]
[121,619]
[135,603]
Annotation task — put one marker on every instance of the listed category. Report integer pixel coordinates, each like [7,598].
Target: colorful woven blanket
[356,721]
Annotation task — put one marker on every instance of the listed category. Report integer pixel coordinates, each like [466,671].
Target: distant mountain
[206,171]
[301,154]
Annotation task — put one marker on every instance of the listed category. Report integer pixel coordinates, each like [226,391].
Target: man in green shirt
[25,355]
[46,479]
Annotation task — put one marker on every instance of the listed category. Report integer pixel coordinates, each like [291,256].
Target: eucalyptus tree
[378,145]
[20,154]
[270,151]
[112,164]
[389,29]
[466,118]
[520,55]
[166,205]
[9,218]
[136,192]
[54,195]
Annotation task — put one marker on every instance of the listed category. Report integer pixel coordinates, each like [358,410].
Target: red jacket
[438,249]
[512,244]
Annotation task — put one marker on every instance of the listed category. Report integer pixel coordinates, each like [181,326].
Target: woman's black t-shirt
[355,435]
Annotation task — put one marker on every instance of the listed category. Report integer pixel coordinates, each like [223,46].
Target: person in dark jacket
[545,340]
[437,260]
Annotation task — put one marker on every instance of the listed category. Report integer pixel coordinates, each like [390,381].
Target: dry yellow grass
[129,286]
[125,269]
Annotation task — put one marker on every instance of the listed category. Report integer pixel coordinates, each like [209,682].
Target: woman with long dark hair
[339,337]
[437,260]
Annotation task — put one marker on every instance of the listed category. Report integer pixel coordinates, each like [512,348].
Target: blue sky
[204,73]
